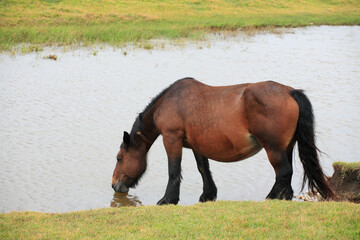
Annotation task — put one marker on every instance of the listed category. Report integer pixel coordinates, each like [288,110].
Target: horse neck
[150,132]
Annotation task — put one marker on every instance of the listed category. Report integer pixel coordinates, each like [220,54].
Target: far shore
[33,25]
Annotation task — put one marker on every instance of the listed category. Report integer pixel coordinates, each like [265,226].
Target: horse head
[131,163]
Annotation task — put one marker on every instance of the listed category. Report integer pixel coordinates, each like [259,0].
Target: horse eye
[119,159]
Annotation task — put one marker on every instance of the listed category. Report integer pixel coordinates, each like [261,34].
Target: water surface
[62,121]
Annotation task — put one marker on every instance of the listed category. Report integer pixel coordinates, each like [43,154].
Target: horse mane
[153,101]
[138,125]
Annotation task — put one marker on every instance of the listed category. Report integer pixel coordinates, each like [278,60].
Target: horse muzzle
[120,187]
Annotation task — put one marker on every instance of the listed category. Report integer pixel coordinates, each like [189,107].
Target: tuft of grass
[345,168]
[347,165]
[51,56]
[346,179]
[148,46]
[214,220]
[85,22]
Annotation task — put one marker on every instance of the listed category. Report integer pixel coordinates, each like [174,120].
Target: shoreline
[66,23]
[160,43]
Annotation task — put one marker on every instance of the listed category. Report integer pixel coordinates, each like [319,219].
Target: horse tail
[308,152]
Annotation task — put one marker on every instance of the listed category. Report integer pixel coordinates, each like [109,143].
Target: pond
[62,121]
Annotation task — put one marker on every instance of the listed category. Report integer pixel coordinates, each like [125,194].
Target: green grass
[85,22]
[348,170]
[219,220]
[347,165]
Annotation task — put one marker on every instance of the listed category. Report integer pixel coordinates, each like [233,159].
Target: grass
[85,22]
[350,172]
[348,169]
[347,165]
[215,220]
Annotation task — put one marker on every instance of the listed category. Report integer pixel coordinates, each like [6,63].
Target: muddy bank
[346,181]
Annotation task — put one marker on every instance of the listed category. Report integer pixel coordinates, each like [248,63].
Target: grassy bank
[219,220]
[69,22]
[346,181]
[347,166]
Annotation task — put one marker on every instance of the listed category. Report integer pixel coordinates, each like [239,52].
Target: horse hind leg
[281,162]
[209,187]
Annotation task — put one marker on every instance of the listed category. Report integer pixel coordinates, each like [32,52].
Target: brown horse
[226,124]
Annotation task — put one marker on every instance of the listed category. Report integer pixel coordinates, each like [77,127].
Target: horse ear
[126,139]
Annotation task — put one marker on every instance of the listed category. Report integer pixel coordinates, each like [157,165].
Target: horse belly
[225,148]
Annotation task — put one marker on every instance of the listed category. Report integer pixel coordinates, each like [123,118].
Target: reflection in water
[124,199]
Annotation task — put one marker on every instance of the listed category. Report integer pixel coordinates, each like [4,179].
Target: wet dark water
[61,121]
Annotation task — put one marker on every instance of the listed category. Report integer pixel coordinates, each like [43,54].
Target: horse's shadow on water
[124,199]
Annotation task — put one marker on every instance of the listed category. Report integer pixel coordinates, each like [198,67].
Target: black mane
[153,101]
[138,126]
[157,97]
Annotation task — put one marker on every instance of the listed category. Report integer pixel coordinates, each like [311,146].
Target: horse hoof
[165,201]
[207,197]
[285,194]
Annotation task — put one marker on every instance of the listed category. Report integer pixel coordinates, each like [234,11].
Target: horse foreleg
[173,148]
[283,168]
[209,188]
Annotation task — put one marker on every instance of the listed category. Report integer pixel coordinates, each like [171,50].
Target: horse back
[189,102]
[224,123]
